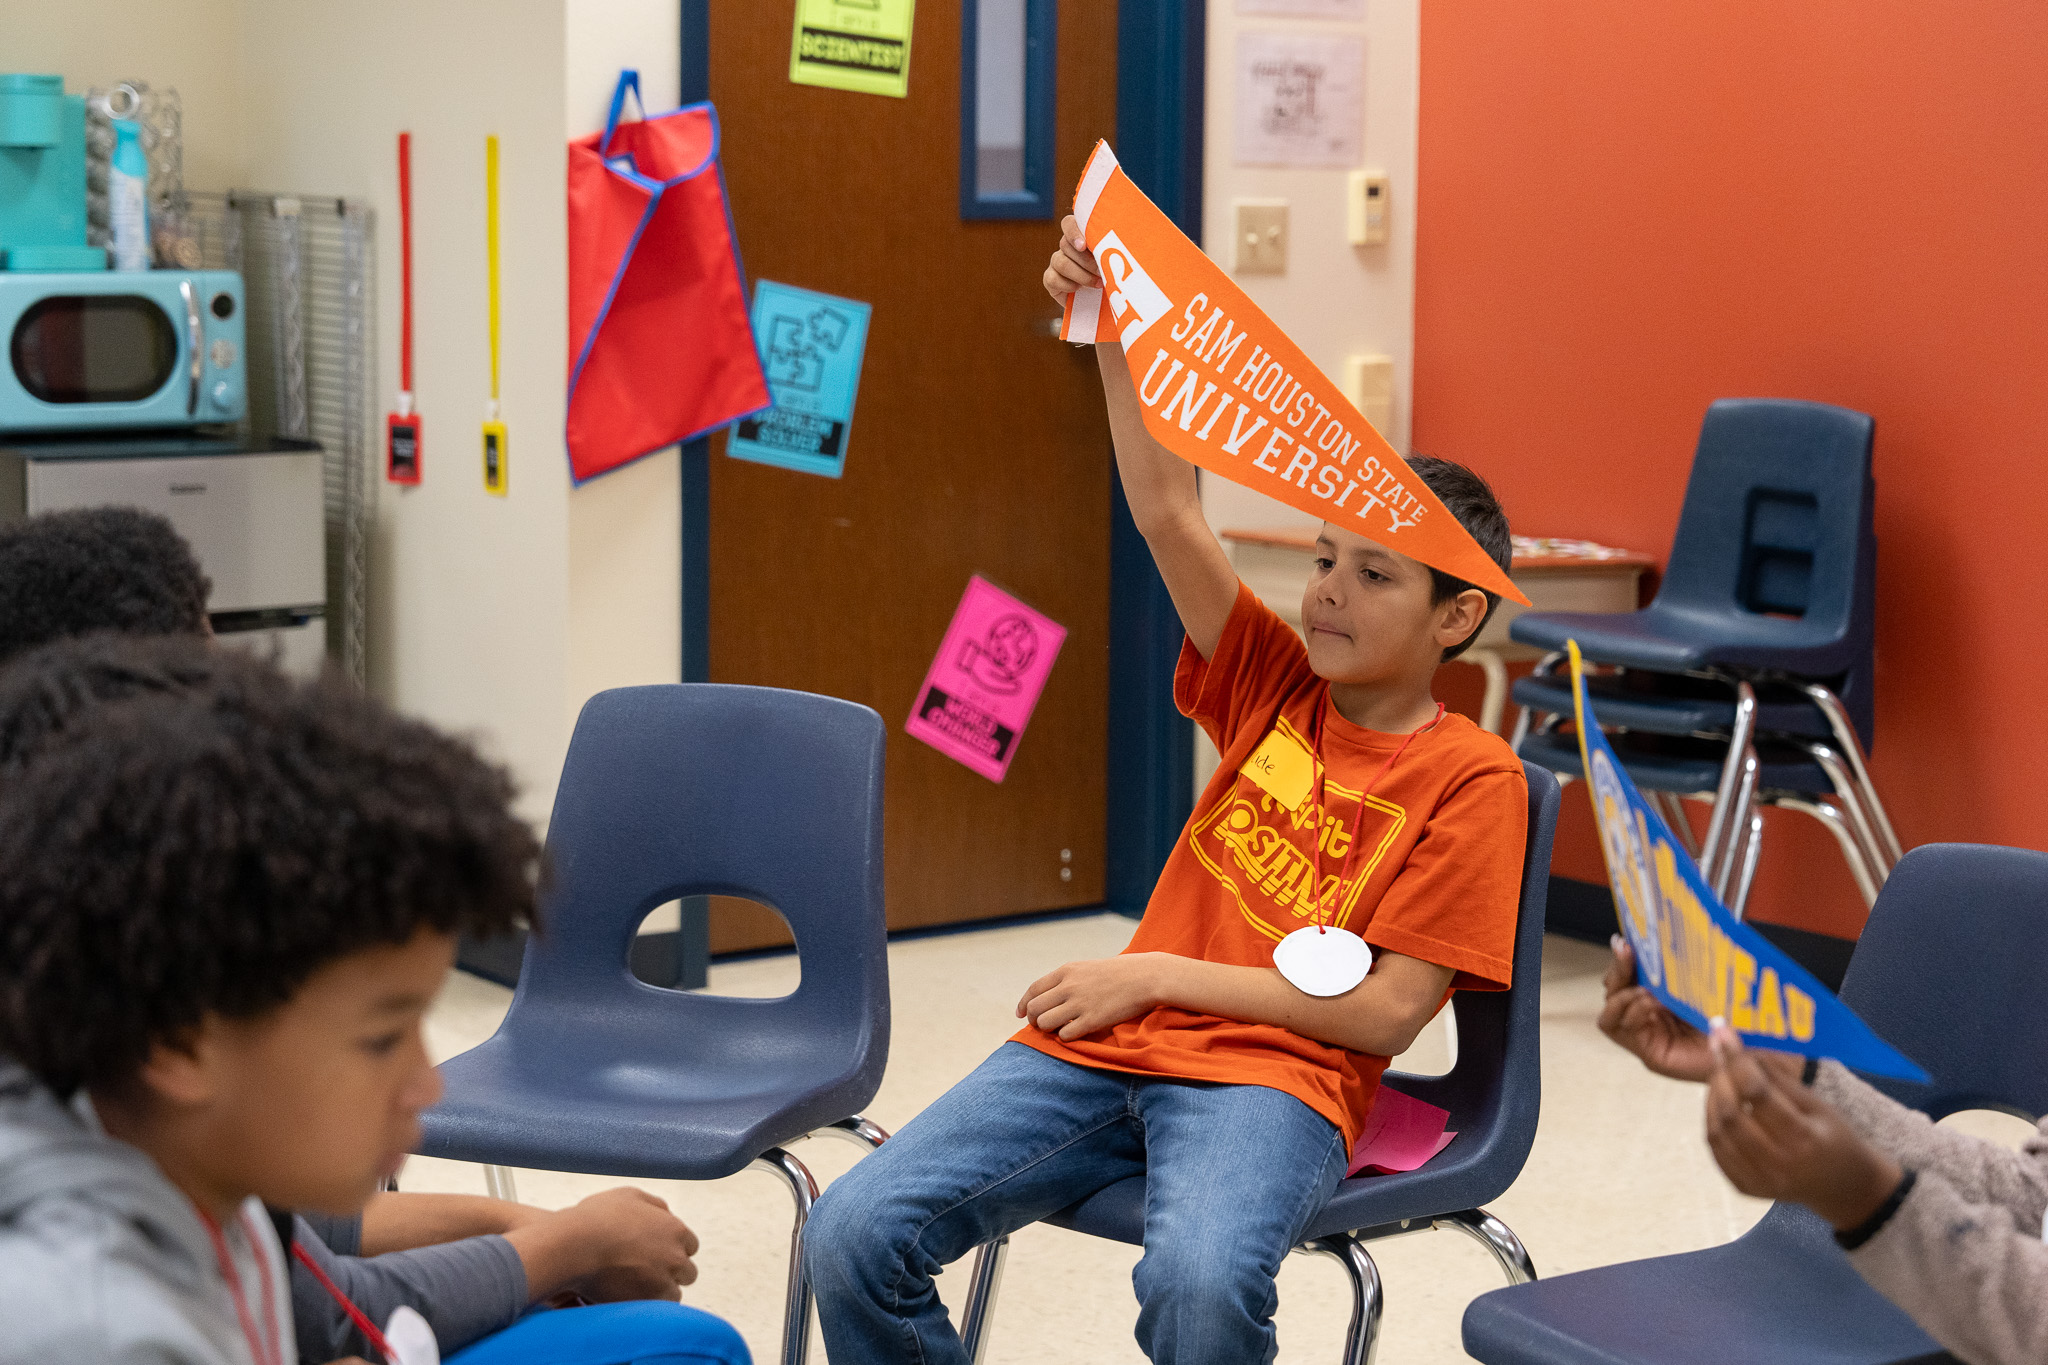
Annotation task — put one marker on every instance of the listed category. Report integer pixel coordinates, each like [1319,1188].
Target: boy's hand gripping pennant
[1222,387]
[1692,953]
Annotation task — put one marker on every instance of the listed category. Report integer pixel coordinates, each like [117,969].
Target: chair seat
[1670,639]
[1676,710]
[1783,1292]
[698,1118]
[1684,766]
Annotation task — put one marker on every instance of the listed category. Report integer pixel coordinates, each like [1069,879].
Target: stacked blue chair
[1952,969]
[1749,679]
[1492,1092]
[688,790]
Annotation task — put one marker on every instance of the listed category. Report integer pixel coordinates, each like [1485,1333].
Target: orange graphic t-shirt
[1437,877]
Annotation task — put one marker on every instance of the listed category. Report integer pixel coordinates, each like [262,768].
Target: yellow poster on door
[858,45]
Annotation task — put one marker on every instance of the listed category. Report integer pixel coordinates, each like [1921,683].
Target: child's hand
[1073,265]
[1086,997]
[1775,1139]
[1635,1019]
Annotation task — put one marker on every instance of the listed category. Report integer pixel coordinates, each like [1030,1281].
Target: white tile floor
[1618,1171]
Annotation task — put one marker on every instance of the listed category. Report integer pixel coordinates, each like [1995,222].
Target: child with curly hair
[229,902]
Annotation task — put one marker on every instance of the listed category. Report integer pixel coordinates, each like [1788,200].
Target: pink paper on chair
[1400,1134]
[978,694]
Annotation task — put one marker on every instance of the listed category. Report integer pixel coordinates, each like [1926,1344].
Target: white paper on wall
[1300,99]
[1353,10]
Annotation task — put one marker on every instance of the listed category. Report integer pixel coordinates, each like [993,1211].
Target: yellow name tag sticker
[1283,768]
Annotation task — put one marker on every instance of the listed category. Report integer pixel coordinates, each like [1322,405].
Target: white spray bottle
[128,196]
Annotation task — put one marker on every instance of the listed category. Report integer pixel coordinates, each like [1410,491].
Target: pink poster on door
[978,694]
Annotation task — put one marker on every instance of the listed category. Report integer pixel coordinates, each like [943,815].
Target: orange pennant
[1222,387]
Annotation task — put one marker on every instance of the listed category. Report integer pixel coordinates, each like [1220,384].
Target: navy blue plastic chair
[1952,969]
[689,790]
[1492,1092]
[1767,619]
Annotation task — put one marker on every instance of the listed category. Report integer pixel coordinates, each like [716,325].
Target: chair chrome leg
[1852,747]
[1368,1296]
[1721,827]
[1671,806]
[1498,1238]
[1851,802]
[1852,852]
[1724,864]
[1752,848]
[982,1285]
[859,1130]
[1522,723]
[498,1183]
[796,1313]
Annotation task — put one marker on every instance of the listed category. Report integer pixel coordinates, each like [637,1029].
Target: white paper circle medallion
[1323,961]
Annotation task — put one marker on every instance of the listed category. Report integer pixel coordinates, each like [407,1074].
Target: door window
[1006,108]
[93,348]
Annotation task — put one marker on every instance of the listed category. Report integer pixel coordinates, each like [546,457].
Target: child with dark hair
[1347,800]
[229,901]
[96,568]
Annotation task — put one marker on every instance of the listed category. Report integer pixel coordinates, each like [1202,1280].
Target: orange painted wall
[1629,209]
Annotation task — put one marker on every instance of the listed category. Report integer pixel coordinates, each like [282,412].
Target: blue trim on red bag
[657,188]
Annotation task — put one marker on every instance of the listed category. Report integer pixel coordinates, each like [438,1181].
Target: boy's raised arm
[1159,485]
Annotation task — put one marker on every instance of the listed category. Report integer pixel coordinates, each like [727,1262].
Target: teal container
[42,176]
[32,111]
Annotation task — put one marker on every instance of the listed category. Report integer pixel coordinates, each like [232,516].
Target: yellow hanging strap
[497,455]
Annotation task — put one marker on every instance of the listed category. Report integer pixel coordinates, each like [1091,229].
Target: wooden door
[978,445]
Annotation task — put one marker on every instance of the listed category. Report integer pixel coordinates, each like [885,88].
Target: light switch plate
[1368,208]
[1261,236]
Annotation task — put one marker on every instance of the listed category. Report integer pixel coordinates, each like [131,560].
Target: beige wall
[1335,300]
[189,45]
[470,602]
[625,529]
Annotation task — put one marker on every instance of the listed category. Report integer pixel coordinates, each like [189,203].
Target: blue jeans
[1235,1172]
[646,1332]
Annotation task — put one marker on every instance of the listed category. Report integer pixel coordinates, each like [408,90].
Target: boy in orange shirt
[1347,798]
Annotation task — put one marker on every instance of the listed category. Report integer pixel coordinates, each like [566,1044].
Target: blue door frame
[1160,51]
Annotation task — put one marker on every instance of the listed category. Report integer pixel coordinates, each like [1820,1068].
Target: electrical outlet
[1369,384]
[1261,237]
[1369,211]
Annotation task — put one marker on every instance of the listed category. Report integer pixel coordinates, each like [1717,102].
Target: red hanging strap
[264,1347]
[405,255]
[355,1314]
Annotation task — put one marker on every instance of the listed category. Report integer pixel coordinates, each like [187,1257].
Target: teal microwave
[121,350]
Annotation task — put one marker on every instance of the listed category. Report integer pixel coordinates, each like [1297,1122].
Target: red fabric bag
[660,347]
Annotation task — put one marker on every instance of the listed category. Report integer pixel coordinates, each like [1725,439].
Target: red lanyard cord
[264,1348]
[405,256]
[1322,806]
[355,1314]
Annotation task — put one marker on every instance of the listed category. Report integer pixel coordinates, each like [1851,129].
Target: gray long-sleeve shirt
[465,1290]
[1963,1254]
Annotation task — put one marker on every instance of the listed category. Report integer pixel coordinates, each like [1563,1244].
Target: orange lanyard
[1322,804]
[264,1348]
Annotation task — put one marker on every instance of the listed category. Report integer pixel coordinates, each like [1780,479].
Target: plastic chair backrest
[1777,514]
[707,789]
[1952,969]
[1495,1086]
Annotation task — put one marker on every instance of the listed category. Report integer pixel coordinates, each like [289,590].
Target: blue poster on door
[811,346]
